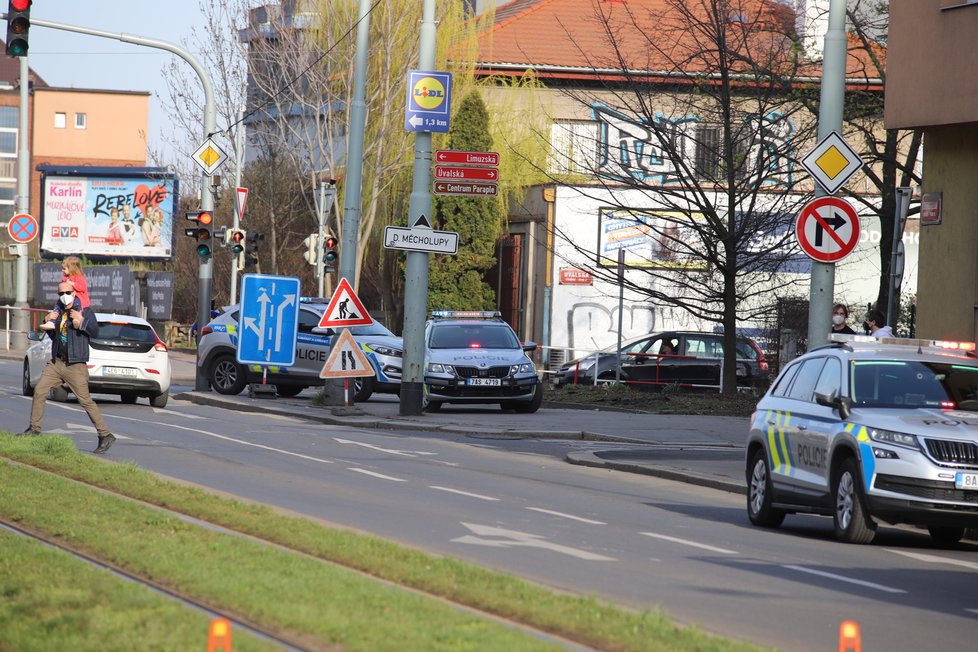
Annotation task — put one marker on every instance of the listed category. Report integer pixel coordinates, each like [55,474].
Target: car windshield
[472,336]
[114,331]
[914,384]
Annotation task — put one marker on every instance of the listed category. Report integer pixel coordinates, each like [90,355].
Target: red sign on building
[570,276]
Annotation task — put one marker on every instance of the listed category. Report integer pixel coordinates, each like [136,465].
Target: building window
[81,120]
[574,147]
[60,120]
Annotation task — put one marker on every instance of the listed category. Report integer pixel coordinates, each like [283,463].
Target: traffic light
[312,248]
[251,248]
[18,26]
[330,255]
[203,232]
[236,240]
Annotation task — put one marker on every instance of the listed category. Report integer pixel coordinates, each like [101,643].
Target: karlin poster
[115,216]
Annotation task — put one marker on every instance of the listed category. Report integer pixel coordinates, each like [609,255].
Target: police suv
[870,431]
[475,357]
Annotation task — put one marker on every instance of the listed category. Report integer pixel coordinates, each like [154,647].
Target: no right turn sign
[827,229]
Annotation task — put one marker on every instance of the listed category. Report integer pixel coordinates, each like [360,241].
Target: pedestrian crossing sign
[345,309]
[346,360]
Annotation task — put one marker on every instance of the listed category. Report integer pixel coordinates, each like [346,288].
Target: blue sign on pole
[429,101]
[268,320]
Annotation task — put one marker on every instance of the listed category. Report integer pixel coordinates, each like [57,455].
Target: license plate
[484,381]
[966,480]
[118,371]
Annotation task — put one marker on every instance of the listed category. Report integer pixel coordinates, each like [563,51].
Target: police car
[870,431]
[475,357]
[217,355]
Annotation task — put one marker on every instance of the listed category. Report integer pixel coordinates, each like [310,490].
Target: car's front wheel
[528,407]
[227,376]
[760,493]
[363,387]
[852,522]
[26,387]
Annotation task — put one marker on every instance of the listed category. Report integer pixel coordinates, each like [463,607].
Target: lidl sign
[429,101]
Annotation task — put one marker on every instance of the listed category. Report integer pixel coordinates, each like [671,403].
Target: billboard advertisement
[108,212]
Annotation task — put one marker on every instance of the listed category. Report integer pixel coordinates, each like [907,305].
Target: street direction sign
[827,229]
[458,157]
[346,360]
[463,173]
[22,228]
[210,157]
[436,242]
[465,188]
[832,162]
[345,309]
[429,100]
[268,320]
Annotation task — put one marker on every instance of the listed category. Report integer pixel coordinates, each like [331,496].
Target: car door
[311,349]
[701,362]
[638,360]
[800,435]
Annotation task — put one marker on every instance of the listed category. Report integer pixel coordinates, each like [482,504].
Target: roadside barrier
[36,314]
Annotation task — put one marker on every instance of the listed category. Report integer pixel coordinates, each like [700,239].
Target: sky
[66,59]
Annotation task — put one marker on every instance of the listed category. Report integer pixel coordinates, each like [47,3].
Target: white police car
[217,355]
[475,357]
[870,431]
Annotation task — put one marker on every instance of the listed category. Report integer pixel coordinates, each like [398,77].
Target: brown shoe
[104,443]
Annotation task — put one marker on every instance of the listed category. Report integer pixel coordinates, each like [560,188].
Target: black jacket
[77,337]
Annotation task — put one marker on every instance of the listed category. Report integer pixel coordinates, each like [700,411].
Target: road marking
[376,475]
[972,611]
[514,538]
[687,542]
[392,451]
[462,493]
[570,516]
[934,559]
[843,578]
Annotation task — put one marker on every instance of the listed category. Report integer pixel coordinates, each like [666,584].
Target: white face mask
[838,319]
[67,299]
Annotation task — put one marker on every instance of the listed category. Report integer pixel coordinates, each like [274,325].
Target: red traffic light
[20,5]
[237,236]
[205,218]
[330,242]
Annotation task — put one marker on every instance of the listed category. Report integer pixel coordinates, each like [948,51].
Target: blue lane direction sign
[268,320]
[429,100]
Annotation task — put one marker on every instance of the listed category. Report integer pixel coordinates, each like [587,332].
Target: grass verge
[668,401]
[327,605]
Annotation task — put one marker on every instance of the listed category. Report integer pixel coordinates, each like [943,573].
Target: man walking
[70,327]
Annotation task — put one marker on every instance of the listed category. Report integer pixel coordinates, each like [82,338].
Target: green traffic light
[204,249]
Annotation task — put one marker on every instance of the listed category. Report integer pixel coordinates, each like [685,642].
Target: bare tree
[697,118]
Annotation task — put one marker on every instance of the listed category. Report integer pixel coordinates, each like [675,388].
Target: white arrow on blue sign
[268,320]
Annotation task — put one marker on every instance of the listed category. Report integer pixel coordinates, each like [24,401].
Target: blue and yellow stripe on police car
[868,461]
[777,442]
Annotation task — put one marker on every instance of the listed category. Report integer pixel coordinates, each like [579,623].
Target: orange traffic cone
[849,637]
[219,637]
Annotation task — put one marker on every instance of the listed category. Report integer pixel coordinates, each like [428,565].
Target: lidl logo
[428,93]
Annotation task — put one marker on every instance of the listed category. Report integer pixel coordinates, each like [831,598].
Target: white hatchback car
[127,358]
[870,431]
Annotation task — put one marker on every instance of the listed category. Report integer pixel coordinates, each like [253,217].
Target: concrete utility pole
[831,99]
[416,281]
[205,274]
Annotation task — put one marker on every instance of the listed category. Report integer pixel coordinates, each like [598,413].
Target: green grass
[667,401]
[326,604]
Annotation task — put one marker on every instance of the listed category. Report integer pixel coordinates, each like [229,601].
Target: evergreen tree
[456,282]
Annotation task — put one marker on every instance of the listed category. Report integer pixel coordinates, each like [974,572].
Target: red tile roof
[570,38]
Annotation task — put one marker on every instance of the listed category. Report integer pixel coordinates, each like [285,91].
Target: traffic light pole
[205,273]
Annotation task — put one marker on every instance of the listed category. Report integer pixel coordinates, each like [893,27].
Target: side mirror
[529,346]
[840,403]
[35,336]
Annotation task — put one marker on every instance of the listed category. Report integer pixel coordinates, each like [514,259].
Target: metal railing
[35,314]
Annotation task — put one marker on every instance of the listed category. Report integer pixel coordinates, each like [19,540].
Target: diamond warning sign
[346,360]
[345,309]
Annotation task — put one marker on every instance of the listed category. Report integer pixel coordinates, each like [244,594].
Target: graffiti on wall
[593,325]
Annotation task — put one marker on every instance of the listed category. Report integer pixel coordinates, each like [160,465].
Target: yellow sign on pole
[210,157]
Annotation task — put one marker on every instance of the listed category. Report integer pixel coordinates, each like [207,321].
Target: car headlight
[438,368]
[381,349]
[895,438]
[525,368]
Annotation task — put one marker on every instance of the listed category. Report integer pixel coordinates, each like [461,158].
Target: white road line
[843,578]
[461,493]
[934,559]
[392,451]
[972,611]
[570,516]
[687,542]
[376,475]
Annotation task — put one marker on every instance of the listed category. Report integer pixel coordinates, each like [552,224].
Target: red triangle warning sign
[346,360]
[345,309]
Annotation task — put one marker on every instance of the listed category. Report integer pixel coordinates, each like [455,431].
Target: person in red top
[71,272]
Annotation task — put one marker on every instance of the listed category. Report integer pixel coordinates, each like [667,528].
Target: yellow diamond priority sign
[210,157]
[832,162]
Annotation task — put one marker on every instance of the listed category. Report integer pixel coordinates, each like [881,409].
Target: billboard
[108,212]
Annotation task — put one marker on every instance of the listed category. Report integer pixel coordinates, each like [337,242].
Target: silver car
[217,355]
[870,431]
[475,357]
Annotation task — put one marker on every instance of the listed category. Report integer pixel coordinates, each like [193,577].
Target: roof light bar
[948,345]
[461,314]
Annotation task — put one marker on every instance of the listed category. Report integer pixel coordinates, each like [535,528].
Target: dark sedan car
[669,358]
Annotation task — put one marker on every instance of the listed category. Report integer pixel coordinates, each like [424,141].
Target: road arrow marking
[514,538]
